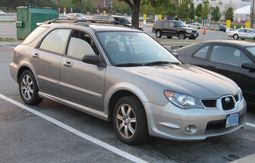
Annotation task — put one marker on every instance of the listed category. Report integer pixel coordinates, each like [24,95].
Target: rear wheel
[129,120]
[181,35]
[169,37]
[236,37]
[158,34]
[28,88]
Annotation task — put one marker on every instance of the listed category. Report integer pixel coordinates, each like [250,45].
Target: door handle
[36,55]
[68,64]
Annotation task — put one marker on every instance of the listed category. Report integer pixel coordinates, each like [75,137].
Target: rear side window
[229,55]
[37,32]
[56,41]
[201,53]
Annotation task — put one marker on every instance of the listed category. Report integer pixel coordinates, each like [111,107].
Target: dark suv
[176,28]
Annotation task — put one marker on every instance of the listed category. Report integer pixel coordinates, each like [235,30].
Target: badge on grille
[227,99]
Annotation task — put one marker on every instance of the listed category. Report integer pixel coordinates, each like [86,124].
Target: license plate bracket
[232,120]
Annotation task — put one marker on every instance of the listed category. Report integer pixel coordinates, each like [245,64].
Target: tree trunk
[135,13]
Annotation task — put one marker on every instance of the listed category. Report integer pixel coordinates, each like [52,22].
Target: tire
[28,88]
[169,37]
[158,33]
[192,38]
[129,121]
[235,37]
[181,35]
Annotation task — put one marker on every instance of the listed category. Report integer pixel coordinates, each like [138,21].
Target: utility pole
[252,13]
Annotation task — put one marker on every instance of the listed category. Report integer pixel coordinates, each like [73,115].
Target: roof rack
[83,22]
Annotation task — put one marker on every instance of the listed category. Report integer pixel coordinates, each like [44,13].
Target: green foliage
[183,10]
[120,7]
[229,14]
[78,6]
[216,15]
[199,10]
[192,11]
[205,9]
[163,7]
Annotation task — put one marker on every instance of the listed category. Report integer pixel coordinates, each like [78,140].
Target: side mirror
[92,59]
[250,67]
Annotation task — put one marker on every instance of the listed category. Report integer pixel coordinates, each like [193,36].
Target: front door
[82,83]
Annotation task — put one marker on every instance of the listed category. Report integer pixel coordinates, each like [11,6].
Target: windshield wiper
[160,63]
[128,64]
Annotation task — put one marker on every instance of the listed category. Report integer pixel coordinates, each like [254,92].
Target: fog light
[191,129]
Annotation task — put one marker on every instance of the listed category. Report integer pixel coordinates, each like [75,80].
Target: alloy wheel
[126,121]
[27,87]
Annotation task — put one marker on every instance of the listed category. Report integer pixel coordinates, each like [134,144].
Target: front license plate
[232,120]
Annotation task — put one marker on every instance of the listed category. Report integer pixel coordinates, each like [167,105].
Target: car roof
[232,42]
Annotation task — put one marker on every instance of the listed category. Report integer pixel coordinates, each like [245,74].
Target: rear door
[47,58]
[82,83]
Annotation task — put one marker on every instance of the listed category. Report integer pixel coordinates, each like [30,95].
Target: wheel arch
[26,67]
[119,92]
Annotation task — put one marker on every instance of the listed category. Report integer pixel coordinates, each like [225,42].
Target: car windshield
[251,49]
[134,49]
[180,24]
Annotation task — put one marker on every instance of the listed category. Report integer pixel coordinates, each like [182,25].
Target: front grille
[209,103]
[216,125]
[227,103]
[221,124]
[194,31]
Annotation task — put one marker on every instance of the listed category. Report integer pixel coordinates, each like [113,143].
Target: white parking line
[250,124]
[77,132]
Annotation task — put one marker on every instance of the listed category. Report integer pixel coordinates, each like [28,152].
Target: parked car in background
[77,16]
[222,28]
[242,33]
[2,13]
[122,75]
[116,19]
[195,25]
[172,28]
[234,59]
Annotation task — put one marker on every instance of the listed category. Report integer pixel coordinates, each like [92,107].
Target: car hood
[190,80]
[188,28]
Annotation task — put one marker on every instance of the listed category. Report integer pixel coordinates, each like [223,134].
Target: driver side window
[81,44]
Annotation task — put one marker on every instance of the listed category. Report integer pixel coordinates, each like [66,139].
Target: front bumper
[192,35]
[170,121]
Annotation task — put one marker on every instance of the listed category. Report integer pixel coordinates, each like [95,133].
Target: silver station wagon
[122,75]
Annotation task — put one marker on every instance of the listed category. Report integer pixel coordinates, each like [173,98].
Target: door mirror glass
[250,67]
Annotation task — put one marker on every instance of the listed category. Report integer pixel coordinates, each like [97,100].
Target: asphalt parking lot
[52,132]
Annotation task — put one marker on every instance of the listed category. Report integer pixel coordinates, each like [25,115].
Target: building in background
[103,4]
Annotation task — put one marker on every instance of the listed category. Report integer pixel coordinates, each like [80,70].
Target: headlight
[183,101]
[189,31]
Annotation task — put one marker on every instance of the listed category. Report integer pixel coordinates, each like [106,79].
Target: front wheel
[129,120]
[236,37]
[181,35]
[158,34]
[28,88]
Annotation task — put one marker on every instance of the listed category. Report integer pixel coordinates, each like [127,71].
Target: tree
[183,10]
[192,11]
[216,15]
[135,8]
[229,14]
[199,10]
